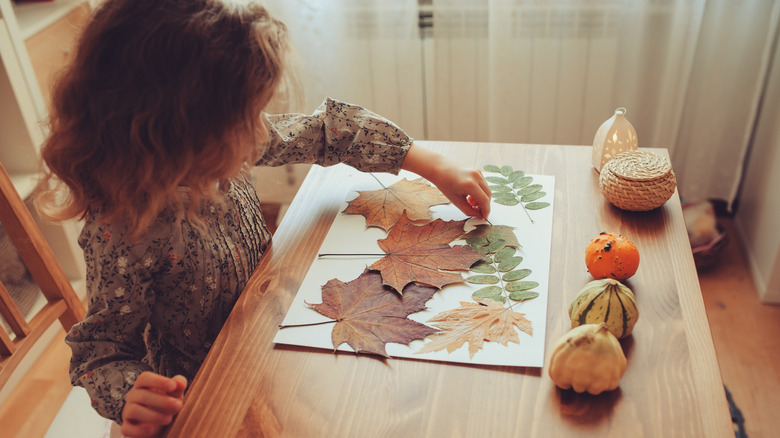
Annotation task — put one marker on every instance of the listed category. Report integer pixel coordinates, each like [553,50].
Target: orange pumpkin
[611,255]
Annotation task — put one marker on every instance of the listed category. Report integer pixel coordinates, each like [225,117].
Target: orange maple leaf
[422,254]
[485,320]
[368,315]
[382,208]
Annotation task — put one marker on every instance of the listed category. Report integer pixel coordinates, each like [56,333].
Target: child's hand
[151,404]
[464,186]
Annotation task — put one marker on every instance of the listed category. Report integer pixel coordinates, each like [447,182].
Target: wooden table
[249,386]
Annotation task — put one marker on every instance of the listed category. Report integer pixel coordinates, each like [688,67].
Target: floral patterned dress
[158,303]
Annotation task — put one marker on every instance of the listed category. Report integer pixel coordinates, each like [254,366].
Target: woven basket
[637,180]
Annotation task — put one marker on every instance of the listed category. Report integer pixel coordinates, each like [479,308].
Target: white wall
[758,214]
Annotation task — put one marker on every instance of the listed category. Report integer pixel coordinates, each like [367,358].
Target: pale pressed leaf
[482,279]
[506,170]
[522,296]
[516,275]
[492,168]
[537,205]
[509,264]
[475,323]
[516,286]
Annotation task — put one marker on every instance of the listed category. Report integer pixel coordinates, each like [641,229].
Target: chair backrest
[62,301]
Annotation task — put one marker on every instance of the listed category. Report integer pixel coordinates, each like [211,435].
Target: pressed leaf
[382,208]
[482,279]
[497,180]
[482,231]
[498,189]
[516,176]
[523,296]
[508,202]
[509,264]
[516,275]
[492,292]
[475,323]
[516,286]
[533,188]
[483,268]
[536,205]
[532,196]
[504,196]
[476,241]
[422,254]
[484,250]
[504,253]
[522,182]
[496,246]
[368,315]
[506,170]
[492,168]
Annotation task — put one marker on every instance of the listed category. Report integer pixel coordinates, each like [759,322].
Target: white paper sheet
[349,234]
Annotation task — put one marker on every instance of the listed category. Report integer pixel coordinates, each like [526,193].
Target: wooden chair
[62,302]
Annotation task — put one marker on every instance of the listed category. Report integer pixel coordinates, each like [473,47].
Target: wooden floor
[744,331]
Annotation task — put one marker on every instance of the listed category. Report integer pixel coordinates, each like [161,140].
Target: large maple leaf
[382,208]
[485,320]
[368,315]
[422,254]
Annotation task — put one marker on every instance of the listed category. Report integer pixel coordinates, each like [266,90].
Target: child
[153,127]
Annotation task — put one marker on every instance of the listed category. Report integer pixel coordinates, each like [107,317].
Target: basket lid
[639,165]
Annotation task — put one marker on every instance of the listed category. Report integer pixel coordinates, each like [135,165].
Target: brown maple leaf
[368,315]
[422,254]
[382,208]
[485,320]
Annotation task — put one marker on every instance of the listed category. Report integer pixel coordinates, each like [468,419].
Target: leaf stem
[351,255]
[282,326]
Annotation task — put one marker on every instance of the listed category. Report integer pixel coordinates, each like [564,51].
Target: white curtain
[690,73]
[365,52]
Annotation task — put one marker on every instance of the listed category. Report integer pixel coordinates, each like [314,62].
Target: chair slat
[11,313]
[38,324]
[7,346]
[35,252]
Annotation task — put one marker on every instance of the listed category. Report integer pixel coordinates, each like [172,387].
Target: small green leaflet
[497,270]
[514,187]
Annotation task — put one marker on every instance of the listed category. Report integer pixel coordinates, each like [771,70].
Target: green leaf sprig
[514,187]
[497,270]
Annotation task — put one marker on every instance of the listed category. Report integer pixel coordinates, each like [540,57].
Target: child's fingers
[154,381]
[181,385]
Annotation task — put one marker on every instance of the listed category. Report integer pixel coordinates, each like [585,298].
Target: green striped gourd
[608,301]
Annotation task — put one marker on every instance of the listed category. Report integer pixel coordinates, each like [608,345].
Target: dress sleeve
[337,132]
[108,345]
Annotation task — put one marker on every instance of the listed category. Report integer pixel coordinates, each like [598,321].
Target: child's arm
[464,186]
[151,404]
